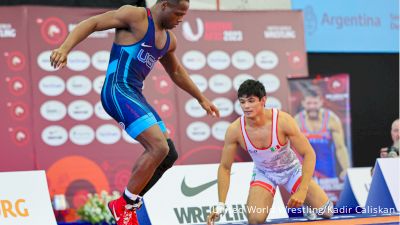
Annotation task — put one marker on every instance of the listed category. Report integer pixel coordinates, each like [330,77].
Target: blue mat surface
[280,221]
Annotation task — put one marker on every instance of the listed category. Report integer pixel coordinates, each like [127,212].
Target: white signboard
[25,199]
[385,186]
[185,195]
[390,169]
[360,181]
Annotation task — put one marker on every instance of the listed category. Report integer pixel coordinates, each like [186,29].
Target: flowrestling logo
[54,135]
[198,131]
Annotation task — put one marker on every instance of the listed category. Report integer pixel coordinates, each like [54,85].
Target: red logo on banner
[15,60]
[164,107]
[20,136]
[337,84]
[17,86]
[296,59]
[19,110]
[53,30]
[162,84]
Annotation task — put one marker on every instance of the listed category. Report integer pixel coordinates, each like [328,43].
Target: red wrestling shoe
[123,213]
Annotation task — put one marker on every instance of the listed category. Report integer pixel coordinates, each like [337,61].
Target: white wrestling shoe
[308,213]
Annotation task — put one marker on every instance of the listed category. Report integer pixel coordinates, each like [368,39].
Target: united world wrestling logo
[188,32]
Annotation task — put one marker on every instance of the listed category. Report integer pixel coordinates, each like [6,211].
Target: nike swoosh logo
[115,215]
[192,191]
[146,46]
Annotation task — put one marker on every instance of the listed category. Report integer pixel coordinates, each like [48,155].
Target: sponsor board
[193,190]
[385,185]
[22,204]
[356,187]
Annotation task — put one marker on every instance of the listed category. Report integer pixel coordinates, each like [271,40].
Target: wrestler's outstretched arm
[126,16]
[224,169]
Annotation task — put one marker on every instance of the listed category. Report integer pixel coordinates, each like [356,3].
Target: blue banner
[350,25]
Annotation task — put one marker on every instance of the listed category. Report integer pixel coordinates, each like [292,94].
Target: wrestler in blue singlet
[121,95]
[323,144]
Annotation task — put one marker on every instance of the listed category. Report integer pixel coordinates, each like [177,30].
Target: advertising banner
[350,25]
[385,185]
[220,51]
[22,204]
[321,107]
[356,187]
[16,150]
[189,192]
[67,125]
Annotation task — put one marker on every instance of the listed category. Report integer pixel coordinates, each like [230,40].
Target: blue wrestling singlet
[323,145]
[121,95]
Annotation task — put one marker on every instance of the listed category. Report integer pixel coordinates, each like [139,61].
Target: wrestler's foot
[123,213]
[309,213]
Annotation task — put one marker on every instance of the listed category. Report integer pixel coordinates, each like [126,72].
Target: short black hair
[252,88]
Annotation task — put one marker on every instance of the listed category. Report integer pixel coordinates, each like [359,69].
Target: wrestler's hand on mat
[58,58]
[212,217]
[216,211]
[297,199]
[209,107]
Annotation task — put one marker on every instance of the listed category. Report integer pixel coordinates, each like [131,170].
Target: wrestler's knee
[256,218]
[172,155]
[158,150]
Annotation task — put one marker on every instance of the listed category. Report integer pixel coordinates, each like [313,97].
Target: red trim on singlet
[296,185]
[315,136]
[148,12]
[276,130]
[264,185]
[325,122]
[241,131]
[308,132]
[272,126]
